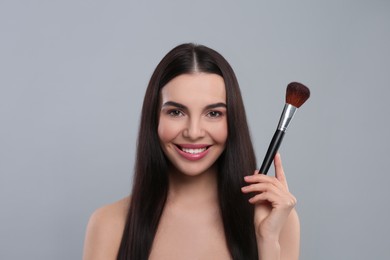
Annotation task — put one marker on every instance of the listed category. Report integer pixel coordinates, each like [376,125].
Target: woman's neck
[193,190]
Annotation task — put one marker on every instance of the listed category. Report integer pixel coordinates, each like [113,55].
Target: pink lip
[189,156]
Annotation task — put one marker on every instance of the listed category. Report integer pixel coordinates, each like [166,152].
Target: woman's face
[193,121]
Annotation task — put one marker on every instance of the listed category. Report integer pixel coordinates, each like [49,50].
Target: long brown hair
[150,185]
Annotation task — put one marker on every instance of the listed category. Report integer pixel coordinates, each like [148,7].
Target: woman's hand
[273,202]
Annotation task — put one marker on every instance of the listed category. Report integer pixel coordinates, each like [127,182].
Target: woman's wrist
[267,236]
[269,248]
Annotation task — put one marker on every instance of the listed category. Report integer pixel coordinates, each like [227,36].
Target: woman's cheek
[220,133]
[167,130]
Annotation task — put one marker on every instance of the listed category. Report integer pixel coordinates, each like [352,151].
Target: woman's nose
[194,129]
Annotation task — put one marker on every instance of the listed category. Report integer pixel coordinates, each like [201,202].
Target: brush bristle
[297,94]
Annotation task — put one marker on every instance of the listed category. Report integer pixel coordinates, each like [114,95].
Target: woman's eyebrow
[174,104]
[181,106]
[220,104]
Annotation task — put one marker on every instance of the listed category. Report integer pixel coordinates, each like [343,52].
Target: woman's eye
[175,113]
[214,114]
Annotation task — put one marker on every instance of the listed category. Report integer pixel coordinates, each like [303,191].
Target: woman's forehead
[200,86]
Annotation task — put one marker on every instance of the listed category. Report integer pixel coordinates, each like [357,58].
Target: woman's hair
[150,185]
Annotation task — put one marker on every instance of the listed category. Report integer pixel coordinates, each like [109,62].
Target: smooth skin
[190,227]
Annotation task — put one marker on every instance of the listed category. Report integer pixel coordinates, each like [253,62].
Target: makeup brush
[296,95]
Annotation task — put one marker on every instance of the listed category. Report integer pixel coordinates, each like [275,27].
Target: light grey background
[73,75]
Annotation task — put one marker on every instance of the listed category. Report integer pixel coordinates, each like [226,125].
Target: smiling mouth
[193,150]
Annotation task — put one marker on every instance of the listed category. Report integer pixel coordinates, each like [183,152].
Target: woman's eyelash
[178,113]
[175,112]
[214,114]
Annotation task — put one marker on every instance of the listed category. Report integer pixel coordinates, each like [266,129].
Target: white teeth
[193,151]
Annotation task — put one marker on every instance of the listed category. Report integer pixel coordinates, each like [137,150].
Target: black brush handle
[272,150]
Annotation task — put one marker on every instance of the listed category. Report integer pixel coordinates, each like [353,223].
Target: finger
[285,202]
[279,172]
[276,200]
[259,198]
[260,187]
[261,178]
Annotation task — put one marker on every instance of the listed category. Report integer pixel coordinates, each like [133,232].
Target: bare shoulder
[104,231]
[290,237]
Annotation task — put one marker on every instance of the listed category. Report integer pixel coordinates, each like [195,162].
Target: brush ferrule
[286,117]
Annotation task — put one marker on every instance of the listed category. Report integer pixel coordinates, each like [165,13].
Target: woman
[194,192]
